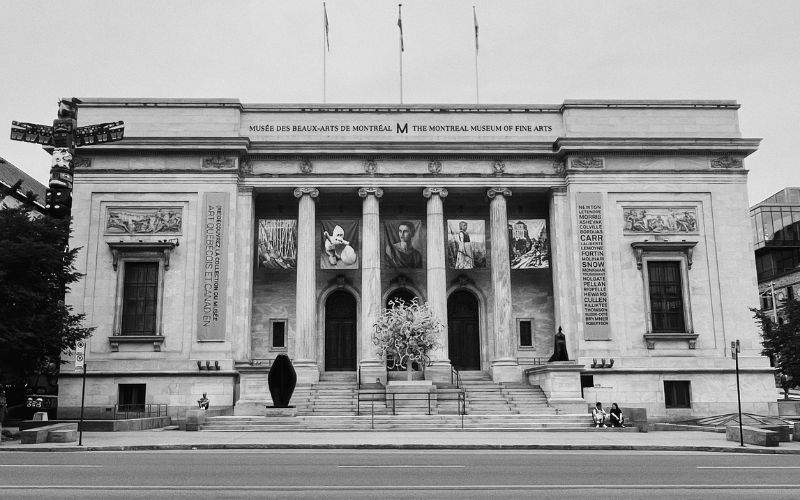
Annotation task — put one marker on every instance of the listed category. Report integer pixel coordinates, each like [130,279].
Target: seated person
[615,416]
[599,415]
[203,402]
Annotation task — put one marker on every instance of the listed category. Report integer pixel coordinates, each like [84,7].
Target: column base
[439,371]
[372,370]
[506,370]
[307,371]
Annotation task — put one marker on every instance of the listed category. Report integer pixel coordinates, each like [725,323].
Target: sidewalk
[600,439]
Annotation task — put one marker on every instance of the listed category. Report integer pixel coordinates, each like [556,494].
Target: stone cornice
[234,143]
[742,146]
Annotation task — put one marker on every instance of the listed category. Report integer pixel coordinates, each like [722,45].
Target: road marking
[401,466]
[469,487]
[53,465]
[750,467]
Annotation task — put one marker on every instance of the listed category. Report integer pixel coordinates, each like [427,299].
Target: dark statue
[559,347]
[281,380]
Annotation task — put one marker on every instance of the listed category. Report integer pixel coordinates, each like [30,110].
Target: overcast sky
[531,51]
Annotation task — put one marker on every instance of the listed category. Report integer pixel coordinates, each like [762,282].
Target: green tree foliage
[36,270]
[782,341]
[405,334]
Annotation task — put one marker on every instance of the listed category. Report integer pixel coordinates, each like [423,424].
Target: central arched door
[463,334]
[340,332]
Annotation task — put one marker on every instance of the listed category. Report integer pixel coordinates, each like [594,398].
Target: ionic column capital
[366,191]
[428,192]
[498,191]
[311,191]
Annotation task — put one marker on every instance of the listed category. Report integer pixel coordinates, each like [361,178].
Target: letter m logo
[402,129]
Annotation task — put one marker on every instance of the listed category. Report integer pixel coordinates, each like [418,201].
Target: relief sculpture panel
[144,221]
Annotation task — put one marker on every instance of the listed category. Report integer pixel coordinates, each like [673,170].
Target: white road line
[750,467]
[468,487]
[53,465]
[401,466]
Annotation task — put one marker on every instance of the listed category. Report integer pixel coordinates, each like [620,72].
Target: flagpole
[324,54]
[400,25]
[477,87]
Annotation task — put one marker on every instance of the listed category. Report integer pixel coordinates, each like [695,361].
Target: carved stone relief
[370,167]
[499,167]
[435,167]
[306,166]
[144,220]
[219,162]
[726,162]
[587,162]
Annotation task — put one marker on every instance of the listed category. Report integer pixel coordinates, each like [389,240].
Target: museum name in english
[399,128]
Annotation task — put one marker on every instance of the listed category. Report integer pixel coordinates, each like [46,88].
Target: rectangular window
[131,397]
[140,297]
[279,334]
[677,394]
[525,328]
[666,296]
[766,301]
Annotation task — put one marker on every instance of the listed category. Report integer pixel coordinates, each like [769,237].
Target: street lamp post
[735,349]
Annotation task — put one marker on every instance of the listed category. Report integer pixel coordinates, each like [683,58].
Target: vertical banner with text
[593,265]
[213,266]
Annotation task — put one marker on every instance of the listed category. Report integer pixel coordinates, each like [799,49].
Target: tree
[781,342]
[36,270]
[405,334]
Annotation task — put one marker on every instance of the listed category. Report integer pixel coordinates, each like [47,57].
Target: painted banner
[213,267]
[466,244]
[277,243]
[339,244]
[593,266]
[528,247]
[403,244]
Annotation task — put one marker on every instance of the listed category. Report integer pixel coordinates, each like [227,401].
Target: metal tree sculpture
[405,334]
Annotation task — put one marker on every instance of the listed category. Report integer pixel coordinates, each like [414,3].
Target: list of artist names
[593,264]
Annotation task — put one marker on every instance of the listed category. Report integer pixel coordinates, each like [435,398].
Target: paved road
[397,474]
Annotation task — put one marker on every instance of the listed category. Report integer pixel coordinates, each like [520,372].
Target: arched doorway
[403,294]
[340,332]
[463,334]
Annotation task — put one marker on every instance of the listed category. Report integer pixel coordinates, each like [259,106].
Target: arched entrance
[340,332]
[403,294]
[463,334]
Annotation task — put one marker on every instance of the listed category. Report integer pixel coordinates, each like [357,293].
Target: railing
[428,399]
[139,411]
[455,377]
[535,361]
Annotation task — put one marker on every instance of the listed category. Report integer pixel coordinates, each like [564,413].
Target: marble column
[439,371]
[243,269]
[372,367]
[305,352]
[564,297]
[505,367]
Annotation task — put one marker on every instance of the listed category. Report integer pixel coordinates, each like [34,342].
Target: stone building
[220,234]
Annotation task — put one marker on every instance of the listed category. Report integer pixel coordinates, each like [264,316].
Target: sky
[531,52]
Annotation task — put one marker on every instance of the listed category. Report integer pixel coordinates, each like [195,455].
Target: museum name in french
[399,128]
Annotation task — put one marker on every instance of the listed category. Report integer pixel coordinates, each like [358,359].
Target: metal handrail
[140,410]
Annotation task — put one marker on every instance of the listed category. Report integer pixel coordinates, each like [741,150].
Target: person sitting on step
[616,416]
[599,415]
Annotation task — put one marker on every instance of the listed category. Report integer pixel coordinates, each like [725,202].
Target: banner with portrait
[466,244]
[339,244]
[528,246]
[403,244]
[277,244]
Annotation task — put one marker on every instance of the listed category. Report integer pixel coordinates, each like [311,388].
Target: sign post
[80,364]
[735,350]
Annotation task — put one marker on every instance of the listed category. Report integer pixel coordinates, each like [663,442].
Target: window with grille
[140,298]
[677,394]
[666,296]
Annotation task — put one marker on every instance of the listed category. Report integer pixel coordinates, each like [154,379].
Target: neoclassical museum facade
[218,235]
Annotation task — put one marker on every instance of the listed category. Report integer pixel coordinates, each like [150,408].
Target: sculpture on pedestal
[559,347]
[281,380]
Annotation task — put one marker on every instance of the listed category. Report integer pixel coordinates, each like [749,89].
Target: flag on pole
[327,40]
[475,17]
[400,24]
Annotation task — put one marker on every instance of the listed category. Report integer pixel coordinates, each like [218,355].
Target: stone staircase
[332,405]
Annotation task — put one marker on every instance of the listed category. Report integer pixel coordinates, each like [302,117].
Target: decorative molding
[501,191]
[726,162]
[499,167]
[435,166]
[306,166]
[559,167]
[660,220]
[558,190]
[81,162]
[245,167]
[587,162]
[162,248]
[340,281]
[652,338]
[311,191]
[686,247]
[116,340]
[430,191]
[219,162]
[370,167]
[462,280]
[144,220]
[366,191]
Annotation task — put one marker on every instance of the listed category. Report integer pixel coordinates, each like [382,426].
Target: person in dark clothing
[616,417]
